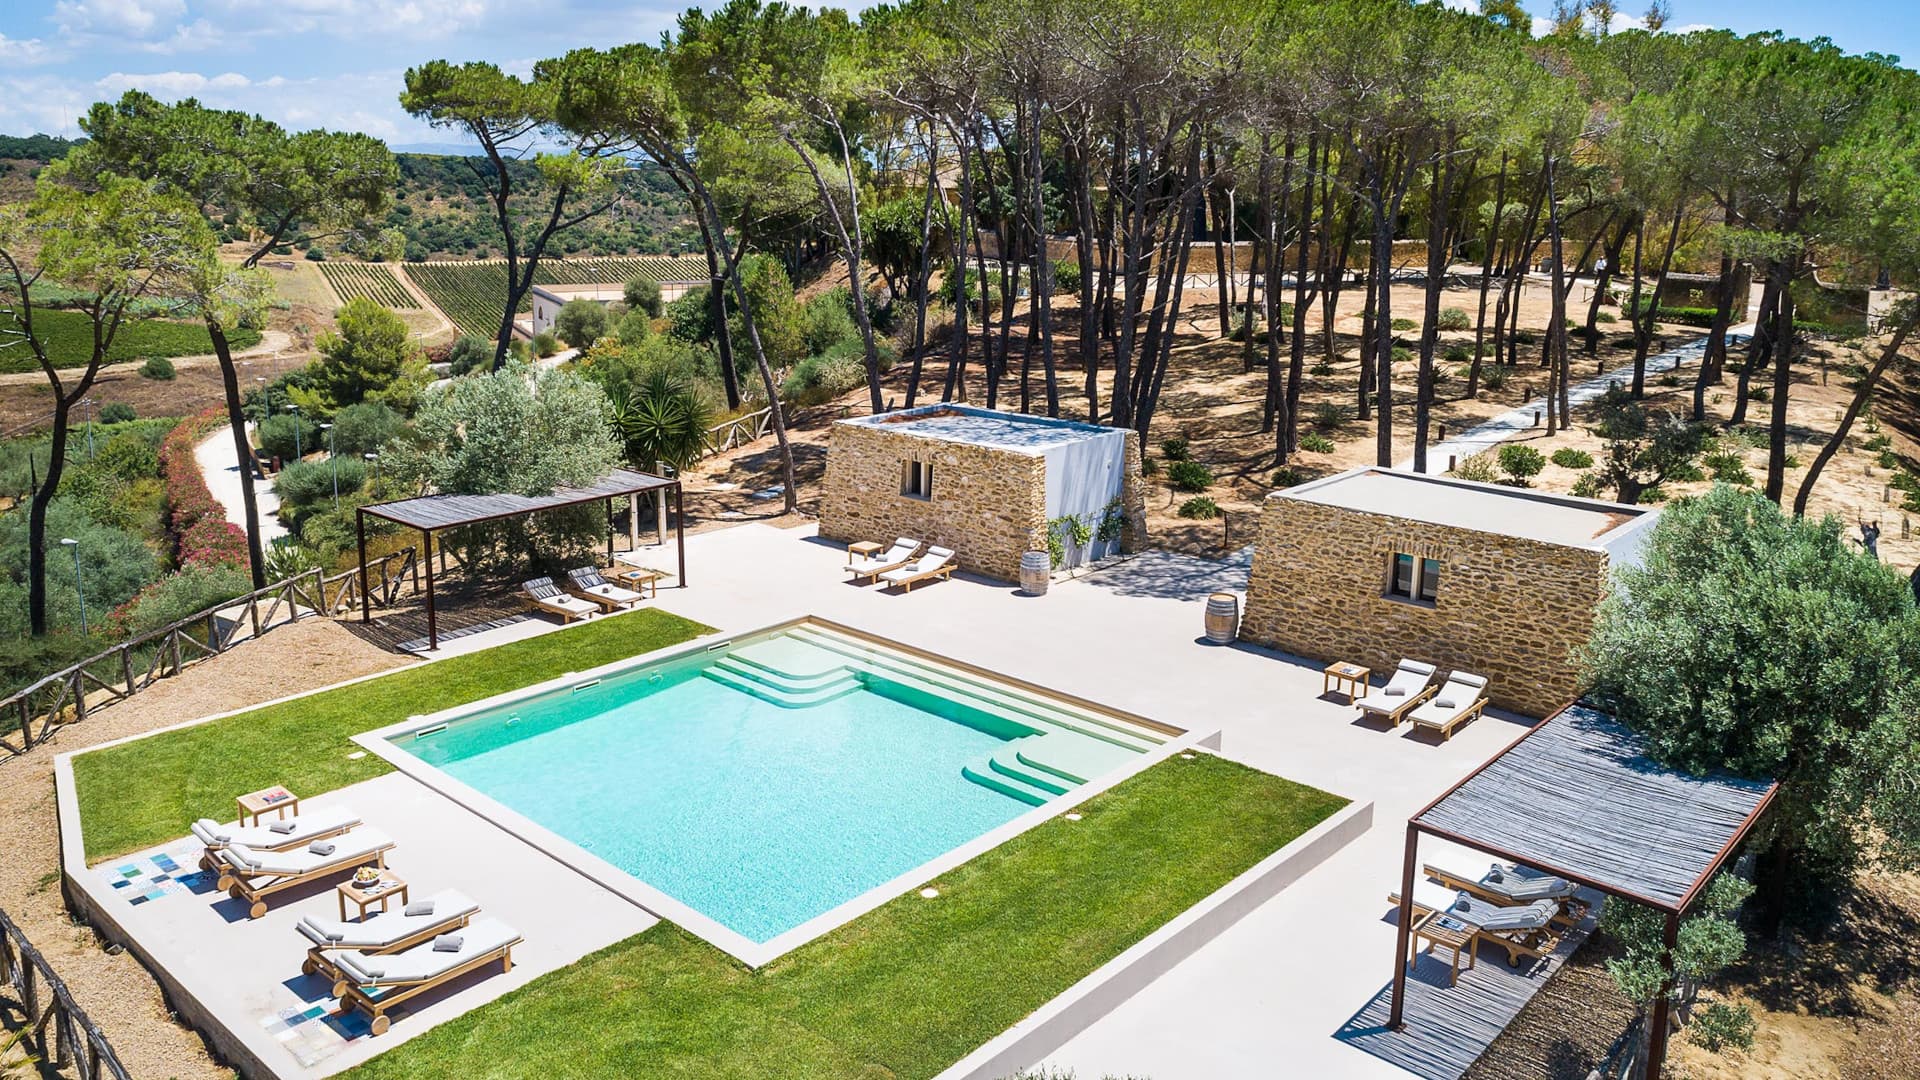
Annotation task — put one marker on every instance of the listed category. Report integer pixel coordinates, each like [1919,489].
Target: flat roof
[1465,504]
[985,427]
[1578,796]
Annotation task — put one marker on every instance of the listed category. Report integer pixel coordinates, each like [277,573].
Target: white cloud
[22,52]
[422,18]
[41,103]
[171,83]
[196,36]
[137,18]
[363,101]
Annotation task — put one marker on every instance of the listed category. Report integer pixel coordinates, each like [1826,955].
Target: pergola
[1578,797]
[432,513]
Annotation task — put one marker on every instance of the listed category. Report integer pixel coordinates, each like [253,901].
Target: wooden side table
[641,579]
[1345,678]
[255,804]
[1442,931]
[864,549]
[365,896]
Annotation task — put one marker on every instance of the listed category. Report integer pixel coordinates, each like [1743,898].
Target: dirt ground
[113,987]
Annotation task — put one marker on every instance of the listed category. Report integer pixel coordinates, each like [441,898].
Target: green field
[372,281]
[470,294]
[906,990]
[142,793]
[69,338]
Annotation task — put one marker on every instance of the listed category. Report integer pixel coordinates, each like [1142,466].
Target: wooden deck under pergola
[1576,797]
[432,513]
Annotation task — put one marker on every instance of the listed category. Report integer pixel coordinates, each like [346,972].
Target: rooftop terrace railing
[74,1042]
[30,716]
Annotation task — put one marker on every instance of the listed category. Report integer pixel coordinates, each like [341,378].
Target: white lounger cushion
[1409,679]
[351,848]
[382,930]
[422,962]
[934,559]
[1534,916]
[1461,692]
[612,593]
[305,827]
[901,552]
[1429,895]
[1521,884]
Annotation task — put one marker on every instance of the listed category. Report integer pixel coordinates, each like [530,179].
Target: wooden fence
[738,431]
[30,716]
[74,1042]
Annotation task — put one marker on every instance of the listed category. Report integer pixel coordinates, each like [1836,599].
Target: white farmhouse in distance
[675,282]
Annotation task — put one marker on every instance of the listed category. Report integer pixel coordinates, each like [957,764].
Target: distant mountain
[438,149]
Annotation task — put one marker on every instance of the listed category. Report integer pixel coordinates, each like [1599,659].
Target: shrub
[364,428]
[1329,414]
[1458,354]
[827,321]
[1759,393]
[203,533]
[581,322]
[1287,476]
[545,345]
[1200,507]
[1189,476]
[1454,318]
[1174,449]
[126,457]
[1525,337]
[304,483]
[470,353]
[1718,1025]
[157,368]
[1150,467]
[1066,277]
[1520,463]
[1606,317]
[1654,494]
[1402,354]
[1478,467]
[823,378]
[643,295]
[1669,380]
[1496,376]
[1887,459]
[1568,458]
[1587,486]
[1321,368]
[1726,467]
[286,435]
[116,412]
[1405,324]
[193,589]
[1316,443]
[316,254]
[371,356]
[1882,441]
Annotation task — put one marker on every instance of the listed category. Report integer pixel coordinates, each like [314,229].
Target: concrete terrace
[1275,987]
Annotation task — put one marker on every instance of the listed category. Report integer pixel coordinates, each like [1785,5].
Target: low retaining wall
[1058,1021]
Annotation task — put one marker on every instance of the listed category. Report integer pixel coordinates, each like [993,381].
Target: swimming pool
[771,780]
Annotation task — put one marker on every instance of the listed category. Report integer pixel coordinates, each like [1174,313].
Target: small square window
[916,480]
[1411,577]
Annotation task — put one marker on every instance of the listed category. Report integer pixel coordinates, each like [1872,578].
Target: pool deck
[1275,987]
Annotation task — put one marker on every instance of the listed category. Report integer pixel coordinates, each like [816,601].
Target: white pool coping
[382,742]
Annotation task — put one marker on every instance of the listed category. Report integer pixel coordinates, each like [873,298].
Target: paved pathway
[1507,425]
[221,467]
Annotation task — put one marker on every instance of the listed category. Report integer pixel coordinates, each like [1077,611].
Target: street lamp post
[333,464]
[299,450]
[74,546]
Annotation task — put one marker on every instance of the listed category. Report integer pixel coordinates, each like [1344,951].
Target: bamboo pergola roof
[433,512]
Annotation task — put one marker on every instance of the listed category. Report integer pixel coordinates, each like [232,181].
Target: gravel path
[220,465]
[116,990]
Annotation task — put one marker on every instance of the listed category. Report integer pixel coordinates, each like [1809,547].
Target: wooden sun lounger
[378,982]
[1413,679]
[242,879]
[387,932]
[936,563]
[315,825]
[902,553]
[1572,909]
[1460,687]
[535,595]
[587,584]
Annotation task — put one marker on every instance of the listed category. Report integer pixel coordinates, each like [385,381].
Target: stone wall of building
[1508,608]
[989,504]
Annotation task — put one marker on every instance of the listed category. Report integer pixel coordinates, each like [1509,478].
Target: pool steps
[1068,745]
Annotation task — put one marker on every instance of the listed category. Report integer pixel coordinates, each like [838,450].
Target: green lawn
[144,793]
[69,338]
[908,989]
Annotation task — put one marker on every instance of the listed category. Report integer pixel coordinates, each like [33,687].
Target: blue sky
[338,63]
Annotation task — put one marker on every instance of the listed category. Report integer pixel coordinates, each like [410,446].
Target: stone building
[1375,564]
[986,484]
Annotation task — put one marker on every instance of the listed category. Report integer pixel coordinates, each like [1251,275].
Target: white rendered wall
[1083,477]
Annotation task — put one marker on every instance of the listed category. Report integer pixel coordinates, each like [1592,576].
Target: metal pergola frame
[433,513]
[1674,911]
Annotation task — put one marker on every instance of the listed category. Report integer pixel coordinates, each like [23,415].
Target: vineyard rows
[374,281]
[471,293]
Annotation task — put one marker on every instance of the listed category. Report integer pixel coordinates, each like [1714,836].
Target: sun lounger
[1526,930]
[587,584]
[292,832]
[1412,683]
[936,563]
[1462,698]
[252,875]
[377,982]
[895,557]
[1502,883]
[389,931]
[1428,897]
[543,594]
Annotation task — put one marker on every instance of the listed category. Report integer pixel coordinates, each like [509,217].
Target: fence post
[126,667]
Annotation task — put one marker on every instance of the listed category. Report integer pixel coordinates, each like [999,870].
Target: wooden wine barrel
[1223,617]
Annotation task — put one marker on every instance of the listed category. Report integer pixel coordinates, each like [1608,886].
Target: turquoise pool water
[761,805]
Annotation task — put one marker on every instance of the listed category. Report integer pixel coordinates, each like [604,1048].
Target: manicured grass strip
[908,989]
[143,793]
[69,339]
